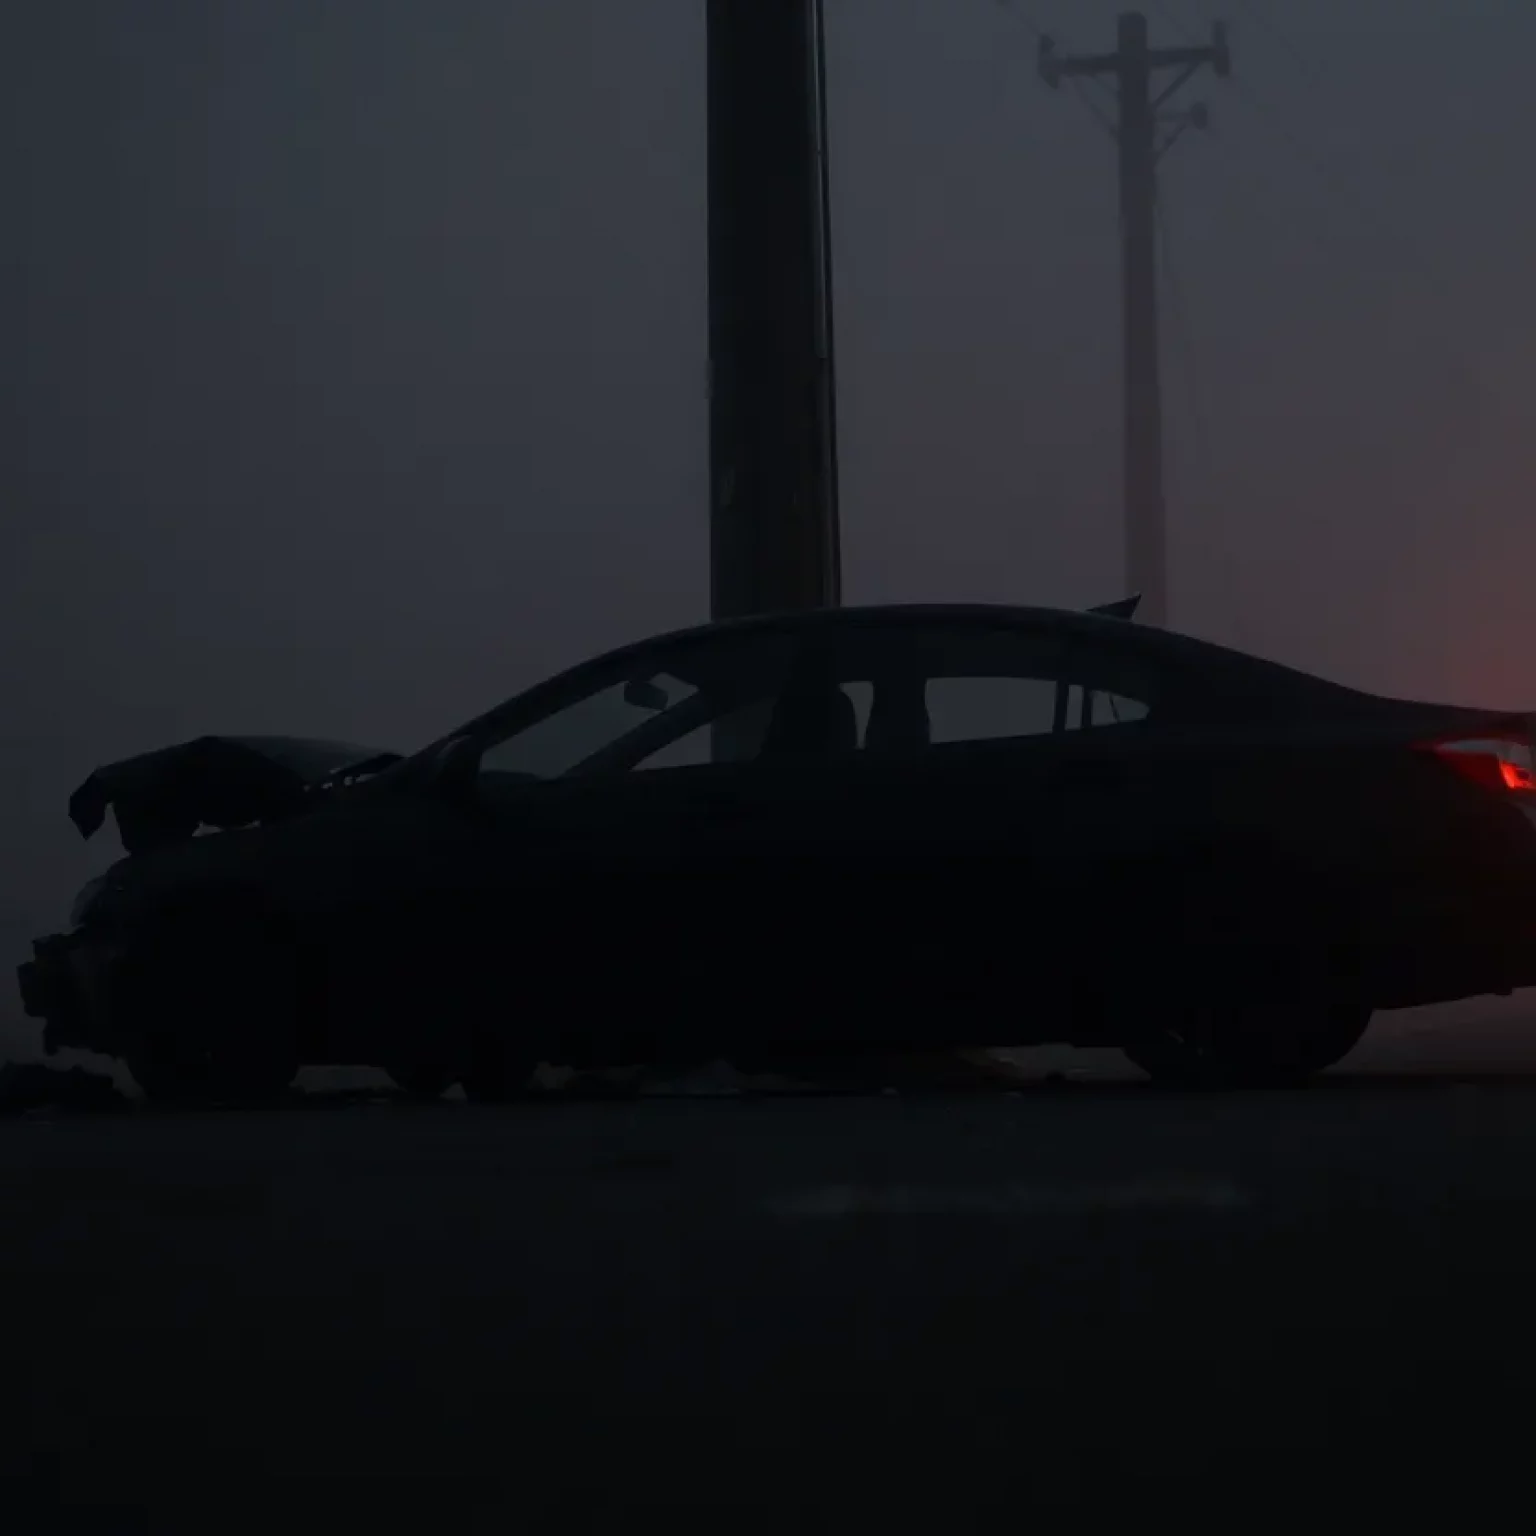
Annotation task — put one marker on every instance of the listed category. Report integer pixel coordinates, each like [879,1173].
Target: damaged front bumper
[68,984]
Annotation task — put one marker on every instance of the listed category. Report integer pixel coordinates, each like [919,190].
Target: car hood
[221,782]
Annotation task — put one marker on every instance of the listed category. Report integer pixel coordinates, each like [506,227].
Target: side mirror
[644,694]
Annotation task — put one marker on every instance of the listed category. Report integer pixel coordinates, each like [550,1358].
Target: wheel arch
[170,927]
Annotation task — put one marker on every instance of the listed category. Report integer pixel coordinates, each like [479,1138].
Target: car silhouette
[811,837]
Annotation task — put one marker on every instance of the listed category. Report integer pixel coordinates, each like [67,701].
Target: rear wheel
[498,1069]
[423,1081]
[168,1074]
[1251,1046]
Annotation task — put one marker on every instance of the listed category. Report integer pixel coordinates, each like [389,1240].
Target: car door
[963,850]
[609,824]
[750,802]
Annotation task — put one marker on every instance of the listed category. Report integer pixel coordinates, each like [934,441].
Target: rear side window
[988,708]
[918,684]
[1102,707]
[984,684]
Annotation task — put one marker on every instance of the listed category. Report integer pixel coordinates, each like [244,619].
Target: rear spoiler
[1124,609]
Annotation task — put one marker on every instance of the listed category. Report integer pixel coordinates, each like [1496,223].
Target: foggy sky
[352,352]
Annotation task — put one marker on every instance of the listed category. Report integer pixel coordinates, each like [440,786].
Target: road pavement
[1086,1293]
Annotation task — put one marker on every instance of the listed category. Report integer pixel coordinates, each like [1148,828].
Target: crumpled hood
[214,781]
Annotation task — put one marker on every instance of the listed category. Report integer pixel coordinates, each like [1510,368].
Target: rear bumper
[1481,952]
[68,984]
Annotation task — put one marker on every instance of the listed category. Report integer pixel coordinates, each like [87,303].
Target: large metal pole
[774,540]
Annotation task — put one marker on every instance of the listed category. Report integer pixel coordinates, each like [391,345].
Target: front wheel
[1252,1047]
[211,1013]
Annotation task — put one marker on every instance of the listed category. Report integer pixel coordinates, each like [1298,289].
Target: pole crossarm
[1054,67]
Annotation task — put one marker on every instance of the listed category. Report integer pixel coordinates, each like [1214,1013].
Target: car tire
[497,1071]
[1252,1048]
[422,1081]
[167,1075]
[221,1030]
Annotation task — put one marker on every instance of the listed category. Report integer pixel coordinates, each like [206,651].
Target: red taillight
[1496,762]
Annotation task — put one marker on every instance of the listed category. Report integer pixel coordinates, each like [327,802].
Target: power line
[1245,9]
[1196,459]
[1024,20]
[1175,21]
[1182,334]
[1081,86]
[1327,166]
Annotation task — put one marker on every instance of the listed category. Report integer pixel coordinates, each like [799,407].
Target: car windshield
[563,740]
[687,701]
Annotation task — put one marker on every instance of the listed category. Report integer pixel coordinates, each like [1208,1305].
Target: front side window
[736,735]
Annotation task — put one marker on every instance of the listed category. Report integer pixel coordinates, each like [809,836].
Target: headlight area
[68,985]
[51,991]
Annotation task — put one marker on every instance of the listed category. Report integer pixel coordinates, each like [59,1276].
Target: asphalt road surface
[940,1311]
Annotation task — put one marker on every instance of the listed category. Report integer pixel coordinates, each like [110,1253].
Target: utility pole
[1133,66]
[774,537]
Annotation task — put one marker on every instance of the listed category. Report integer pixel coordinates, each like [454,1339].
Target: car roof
[881,615]
[1084,625]
[1221,669]
[1224,670]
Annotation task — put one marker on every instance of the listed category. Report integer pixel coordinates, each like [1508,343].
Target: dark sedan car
[809,837]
